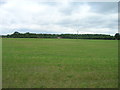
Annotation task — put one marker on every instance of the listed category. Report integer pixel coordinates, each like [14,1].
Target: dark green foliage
[67,36]
[117,36]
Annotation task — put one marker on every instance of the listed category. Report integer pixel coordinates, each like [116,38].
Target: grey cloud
[104,7]
[2,2]
[98,7]
[67,17]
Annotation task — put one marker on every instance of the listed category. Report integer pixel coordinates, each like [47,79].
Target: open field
[59,63]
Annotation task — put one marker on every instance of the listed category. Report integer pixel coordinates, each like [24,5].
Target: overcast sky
[58,17]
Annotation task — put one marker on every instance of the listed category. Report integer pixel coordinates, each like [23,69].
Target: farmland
[59,63]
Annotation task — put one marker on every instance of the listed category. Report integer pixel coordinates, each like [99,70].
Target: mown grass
[59,63]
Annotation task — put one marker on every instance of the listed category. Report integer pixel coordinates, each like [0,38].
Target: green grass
[59,63]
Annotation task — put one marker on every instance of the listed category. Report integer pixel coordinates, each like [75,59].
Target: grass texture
[59,63]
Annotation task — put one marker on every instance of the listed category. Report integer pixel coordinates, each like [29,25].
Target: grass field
[59,63]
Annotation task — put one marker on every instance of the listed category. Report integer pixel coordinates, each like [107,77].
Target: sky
[58,17]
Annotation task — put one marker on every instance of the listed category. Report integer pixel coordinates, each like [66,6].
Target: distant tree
[15,34]
[69,36]
[117,36]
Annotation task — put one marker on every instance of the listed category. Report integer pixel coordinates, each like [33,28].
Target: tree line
[67,36]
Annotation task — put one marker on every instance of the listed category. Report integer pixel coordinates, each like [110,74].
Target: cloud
[58,17]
